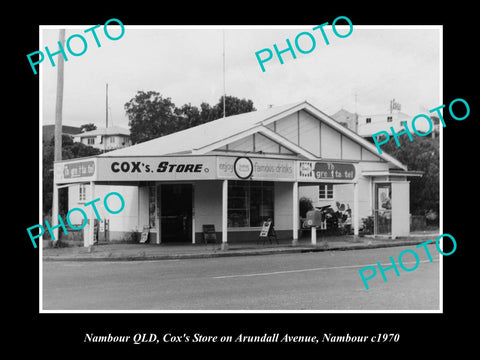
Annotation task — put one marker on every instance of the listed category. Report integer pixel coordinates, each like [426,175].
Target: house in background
[371,124]
[105,139]
[367,125]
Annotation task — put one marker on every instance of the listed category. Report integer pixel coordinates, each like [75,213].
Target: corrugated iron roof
[218,131]
[202,135]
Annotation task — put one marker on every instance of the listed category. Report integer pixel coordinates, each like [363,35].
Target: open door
[176,212]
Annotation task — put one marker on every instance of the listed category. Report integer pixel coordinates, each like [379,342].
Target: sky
[360,73]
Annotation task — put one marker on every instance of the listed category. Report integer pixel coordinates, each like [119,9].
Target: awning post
[295,212]
[355,217]
[314,235]
[55,212]
[224,214]
[89,234]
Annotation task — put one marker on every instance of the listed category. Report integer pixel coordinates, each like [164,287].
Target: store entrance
[176,213]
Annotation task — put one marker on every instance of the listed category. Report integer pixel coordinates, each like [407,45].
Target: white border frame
[40,130]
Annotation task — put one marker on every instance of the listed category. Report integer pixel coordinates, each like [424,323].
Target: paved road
[309,281]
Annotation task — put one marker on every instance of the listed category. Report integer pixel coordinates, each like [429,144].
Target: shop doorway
[383,209]
[176,213]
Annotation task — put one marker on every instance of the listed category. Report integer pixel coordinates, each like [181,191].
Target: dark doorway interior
[176,218]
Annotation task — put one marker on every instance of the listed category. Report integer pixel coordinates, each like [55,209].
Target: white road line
[311,269]
[134,262]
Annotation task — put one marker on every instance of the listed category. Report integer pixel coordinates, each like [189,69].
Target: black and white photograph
[229,183]
[177,169]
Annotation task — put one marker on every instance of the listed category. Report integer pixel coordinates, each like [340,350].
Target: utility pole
[223,33]
[106,106]
[59,103]
[58,132]
[106,119]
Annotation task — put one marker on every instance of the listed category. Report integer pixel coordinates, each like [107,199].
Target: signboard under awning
[191,168]
[75,171]
[156,168]
[261,169]
[325,170]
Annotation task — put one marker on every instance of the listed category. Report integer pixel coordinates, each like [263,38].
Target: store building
[236,172]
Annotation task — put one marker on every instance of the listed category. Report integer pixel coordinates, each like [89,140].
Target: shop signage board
[325,171]
[243,167]
[191,168]
[267,232]
[265,228]
[238,168]
[145,233]
[75,171]
[162,168]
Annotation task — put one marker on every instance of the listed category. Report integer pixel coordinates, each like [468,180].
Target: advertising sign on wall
[75,171]
[156,168]
[171,168]
[260,169]
[243,167]
[324,170]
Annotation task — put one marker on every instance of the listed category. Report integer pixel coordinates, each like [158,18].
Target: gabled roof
[204,138]
[112,130]
[197,137]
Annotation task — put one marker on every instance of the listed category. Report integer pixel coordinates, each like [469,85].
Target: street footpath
[142,252]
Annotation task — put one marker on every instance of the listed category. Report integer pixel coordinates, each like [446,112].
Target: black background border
[52,333]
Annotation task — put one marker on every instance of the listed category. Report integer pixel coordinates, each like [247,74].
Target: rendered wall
[208,207]
[123,224]
[400,209]
[283,206]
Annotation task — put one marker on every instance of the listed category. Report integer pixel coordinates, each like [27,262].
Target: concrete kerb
[213,253]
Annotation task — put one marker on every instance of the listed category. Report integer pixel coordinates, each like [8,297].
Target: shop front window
[249,203]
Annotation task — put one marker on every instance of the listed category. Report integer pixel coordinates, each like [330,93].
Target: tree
[188,116]
[305,205]
[206,113]
[193,116]
[420,154]
[150,116]
[233,106]
[87,127]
